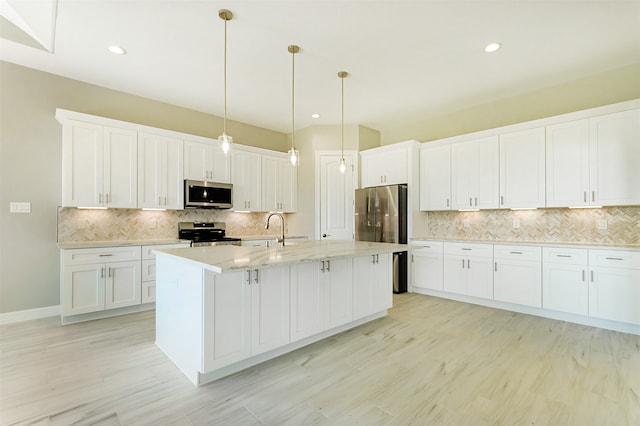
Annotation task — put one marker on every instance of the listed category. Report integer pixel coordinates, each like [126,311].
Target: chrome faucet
[266,226]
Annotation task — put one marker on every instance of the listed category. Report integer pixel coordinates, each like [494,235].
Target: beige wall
[617,85]
[30,167]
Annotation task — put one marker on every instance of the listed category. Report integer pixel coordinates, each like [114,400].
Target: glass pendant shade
[225,142]
[294,156]
[343,166]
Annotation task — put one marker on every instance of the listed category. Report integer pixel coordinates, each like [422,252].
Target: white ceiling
[407,59]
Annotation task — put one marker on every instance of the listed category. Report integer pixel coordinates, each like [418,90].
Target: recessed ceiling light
[492,47]
[117,50]
[315,115]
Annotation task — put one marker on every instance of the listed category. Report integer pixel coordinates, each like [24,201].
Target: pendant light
[294,154]
[224,139]
[343,165]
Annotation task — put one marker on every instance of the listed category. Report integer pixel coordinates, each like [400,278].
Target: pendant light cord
[293,89]
[342,118]
[224,123]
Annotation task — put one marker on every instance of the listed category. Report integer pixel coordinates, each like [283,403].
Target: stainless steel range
[205,234]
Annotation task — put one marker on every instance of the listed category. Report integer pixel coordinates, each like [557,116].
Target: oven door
[207,195]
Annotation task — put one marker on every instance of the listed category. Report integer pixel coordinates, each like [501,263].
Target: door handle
[326,235]
[328,266]
[249,277]
[322,268]
[256,279]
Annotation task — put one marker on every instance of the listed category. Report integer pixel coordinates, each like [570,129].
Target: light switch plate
[516,223]
[465,223]
[19,207]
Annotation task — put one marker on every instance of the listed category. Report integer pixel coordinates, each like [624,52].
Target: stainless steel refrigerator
[381,216]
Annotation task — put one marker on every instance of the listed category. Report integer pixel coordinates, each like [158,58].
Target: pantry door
[335,195]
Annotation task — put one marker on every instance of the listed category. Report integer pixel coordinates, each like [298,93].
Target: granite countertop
[118,243]
[536,243]
[226,258]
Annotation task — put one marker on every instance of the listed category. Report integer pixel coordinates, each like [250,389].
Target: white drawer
[147,251]
[148,270]
[567,256]
[101,255]
[427,246]
[148,292]
[469,249]
[615,258]
[526,253]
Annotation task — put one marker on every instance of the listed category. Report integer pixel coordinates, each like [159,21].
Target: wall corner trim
[29,314]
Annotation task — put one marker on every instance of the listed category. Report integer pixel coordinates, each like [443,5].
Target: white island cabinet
[224,308]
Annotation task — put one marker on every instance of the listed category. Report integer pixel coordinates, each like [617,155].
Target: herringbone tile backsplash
[543,225]
[75,225]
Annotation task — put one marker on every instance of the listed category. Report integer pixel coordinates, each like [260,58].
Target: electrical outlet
[465,223]
[516,223]
[602,224]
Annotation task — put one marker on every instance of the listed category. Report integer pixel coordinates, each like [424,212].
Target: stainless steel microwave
[207,195]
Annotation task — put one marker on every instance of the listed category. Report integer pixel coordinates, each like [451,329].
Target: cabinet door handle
[468,264]
[412,260]
[100,198]
[475,200]
[462,263]
[248,277]
[593,195]
[159,200]
[257,277]
[591,276]
[447,202]
[106,198]
[109,272]
[377,258]
[470,202]
[328,266]
[322,268]
[165,200]
[583,275]
[373,259]
[584,196]
[501,199]
[495,266]
[101,272]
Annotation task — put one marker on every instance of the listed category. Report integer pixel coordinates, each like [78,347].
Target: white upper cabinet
[593,162]
[99,167]
[246,176]
[384,167]
[522,169]
[568,164]
[279,184]
[206,161]
[435,178]
[614,158]
[474,174]
[160,173]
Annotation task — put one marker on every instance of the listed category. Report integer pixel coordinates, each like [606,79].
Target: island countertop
[227,257]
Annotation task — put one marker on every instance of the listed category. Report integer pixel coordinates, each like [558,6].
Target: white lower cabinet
[614,285]
[468,269]
[149,269]
[517,275]
[372,284]
[321,296]
[98,279]
[427,265]
[564,280]
[246,313]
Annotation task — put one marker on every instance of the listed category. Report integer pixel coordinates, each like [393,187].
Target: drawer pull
[614,258]
[105,255]
[563,255]
[468,249]
[515,252]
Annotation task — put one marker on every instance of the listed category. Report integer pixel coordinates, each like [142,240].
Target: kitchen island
[222,309]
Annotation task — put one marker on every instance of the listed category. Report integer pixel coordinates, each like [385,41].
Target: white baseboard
[29,314]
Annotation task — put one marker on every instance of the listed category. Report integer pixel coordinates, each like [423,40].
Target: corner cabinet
[99,166]
[160,172]
[206,161]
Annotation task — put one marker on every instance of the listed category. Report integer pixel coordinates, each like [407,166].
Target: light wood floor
[430,362]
